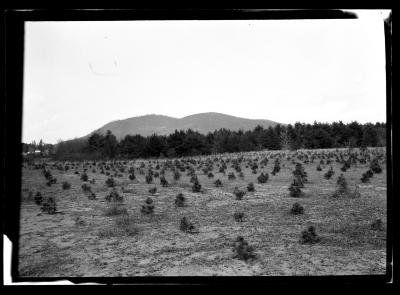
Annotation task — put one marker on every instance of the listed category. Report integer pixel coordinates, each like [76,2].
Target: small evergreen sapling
[309,236]
[49,205]
[163,181]
[377,225]
[148,207]
[86,188]
[132,176]
[114,196]
[66,185]
[110,182]
[365,177]
[238,216]
[38,198]
[250,187]
[153,190]
[329,173]
[218,183]
[196,188]
[297,209]
[180,200]
[242,249]
[295,189]
[231,176]
[375,167]
[238,193]
[149,178]
[187,226]
[262,178]
[84,177]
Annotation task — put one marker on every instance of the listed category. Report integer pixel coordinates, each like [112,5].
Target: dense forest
[191,143]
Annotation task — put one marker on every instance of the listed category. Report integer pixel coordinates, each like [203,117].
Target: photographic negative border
[12,131]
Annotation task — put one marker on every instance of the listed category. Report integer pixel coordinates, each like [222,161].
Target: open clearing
[82,240]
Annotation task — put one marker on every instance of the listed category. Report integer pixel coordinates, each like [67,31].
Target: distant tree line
[192,143]
[37,146]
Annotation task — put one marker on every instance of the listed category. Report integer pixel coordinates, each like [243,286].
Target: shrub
[86,188]
[149,178]
[297,209]
[231,176]
[365,177]
[329,173]
[148,207]
[196,187]
[38,198]
[177,175]
[210,175]
[295,189]
[84,177]
[163,181]
[92,196]
[238,193]
[47,174]
[319,168]
[49,205]
[309,236]
[218,183]
[193,179]
[242,249]
[355,193]
[300,173]
[342,188]
[250,187]
[375,167]
[110,182]
[262,178]
[180,200]
[153,190]
[114,196]
[132,176]
[277,167]
[186,226]
[238,216]
[346,165]
[377,225]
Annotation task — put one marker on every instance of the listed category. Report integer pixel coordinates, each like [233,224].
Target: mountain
[164,125]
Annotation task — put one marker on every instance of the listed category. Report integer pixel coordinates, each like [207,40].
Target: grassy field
[96,237]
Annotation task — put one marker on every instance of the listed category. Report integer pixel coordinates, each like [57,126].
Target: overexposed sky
[79,76]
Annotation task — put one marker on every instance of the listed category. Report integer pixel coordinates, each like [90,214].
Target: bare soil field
[101,238]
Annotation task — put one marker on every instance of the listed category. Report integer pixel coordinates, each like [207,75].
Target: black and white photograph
[209,147]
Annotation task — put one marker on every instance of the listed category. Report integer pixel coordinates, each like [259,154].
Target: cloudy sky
[79,76]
